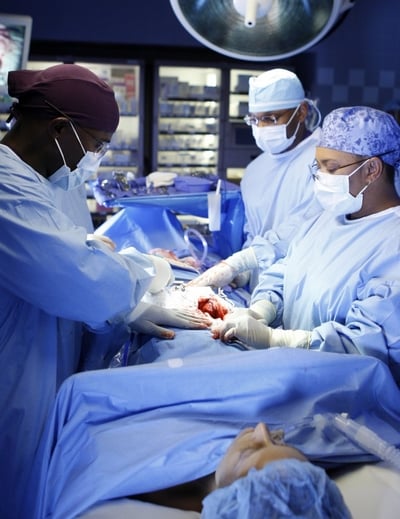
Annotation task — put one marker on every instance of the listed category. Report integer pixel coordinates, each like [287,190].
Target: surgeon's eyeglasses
[101,147]
[252,120]
[268,119]
[314,167]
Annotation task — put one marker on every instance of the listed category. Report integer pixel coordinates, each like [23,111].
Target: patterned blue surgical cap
[287,488]
[362,130]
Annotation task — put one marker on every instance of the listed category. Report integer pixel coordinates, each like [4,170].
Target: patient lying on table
[259,476]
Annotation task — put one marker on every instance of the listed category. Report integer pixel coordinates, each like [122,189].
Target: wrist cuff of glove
[290,338]
[242,260]
[163,274]
[134,314]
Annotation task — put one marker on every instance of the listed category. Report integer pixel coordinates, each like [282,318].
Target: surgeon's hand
[152,318]
[256,334]
[219,275]
[227,270]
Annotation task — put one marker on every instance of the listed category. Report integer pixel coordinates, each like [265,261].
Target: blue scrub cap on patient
[286,488]
[362,130]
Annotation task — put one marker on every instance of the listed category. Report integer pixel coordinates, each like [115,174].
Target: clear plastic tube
[367,439]
[194,232]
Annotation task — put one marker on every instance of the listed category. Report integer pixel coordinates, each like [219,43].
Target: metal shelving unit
[187,108]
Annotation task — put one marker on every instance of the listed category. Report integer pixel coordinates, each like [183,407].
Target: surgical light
[260,30]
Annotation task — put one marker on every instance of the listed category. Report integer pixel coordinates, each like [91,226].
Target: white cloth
[341,280]
[370,491]
[50,281]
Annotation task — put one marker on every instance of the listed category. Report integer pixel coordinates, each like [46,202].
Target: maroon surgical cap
[73,89]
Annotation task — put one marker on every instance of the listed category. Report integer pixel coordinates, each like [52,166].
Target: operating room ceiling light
[260,30]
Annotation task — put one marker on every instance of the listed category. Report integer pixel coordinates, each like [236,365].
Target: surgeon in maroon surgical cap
[56,285]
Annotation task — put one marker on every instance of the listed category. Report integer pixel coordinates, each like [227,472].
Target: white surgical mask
[274,138]
[86,168]
[333,192]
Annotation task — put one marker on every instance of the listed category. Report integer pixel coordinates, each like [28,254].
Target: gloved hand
[257,335]
[147,318]
[261,310]
[225,271]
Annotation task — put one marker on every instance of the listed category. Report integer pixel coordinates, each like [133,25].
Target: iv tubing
[367,439]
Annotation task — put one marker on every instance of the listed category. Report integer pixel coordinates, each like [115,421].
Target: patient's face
[253,447]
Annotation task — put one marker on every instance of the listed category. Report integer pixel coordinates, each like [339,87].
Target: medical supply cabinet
[198,120]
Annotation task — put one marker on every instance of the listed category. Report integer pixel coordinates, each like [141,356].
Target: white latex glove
[241,279]
[257,335]
[225,271]
[147,318]
[261,310]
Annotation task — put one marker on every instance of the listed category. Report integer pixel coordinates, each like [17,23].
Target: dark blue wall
[359,63]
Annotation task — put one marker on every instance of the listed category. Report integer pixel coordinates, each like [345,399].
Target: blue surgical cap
[285,488]
[278,89]
[362,130]
[275,89]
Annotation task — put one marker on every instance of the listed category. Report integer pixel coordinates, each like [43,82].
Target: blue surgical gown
[277,193]
[341,280]
[74,204]
[273,186]
[51,280]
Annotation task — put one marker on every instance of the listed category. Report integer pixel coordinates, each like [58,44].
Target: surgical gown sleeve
[371,325]
[274,245]
[45,260]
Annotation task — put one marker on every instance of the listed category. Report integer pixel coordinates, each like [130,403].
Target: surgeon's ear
[303,111]
[374,168]
[57,126]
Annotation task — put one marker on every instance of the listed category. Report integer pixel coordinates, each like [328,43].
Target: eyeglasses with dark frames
[315,166]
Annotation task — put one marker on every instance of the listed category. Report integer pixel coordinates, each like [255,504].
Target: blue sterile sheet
[123,431]
[150,221]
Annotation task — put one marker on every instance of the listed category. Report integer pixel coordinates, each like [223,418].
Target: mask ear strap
[60,150]
[293,114]
[77,136]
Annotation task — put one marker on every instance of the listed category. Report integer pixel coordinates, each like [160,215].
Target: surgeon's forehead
[322,153]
